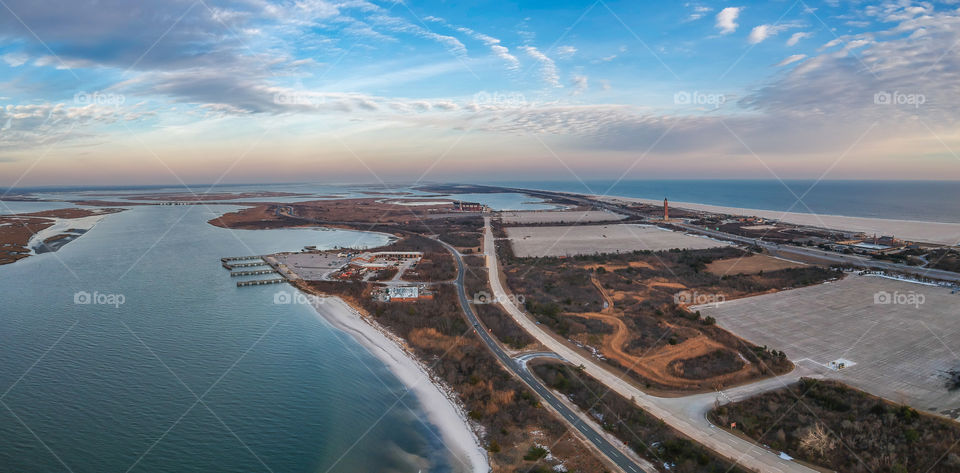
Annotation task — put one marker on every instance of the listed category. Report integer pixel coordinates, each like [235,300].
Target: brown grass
[753,264]
[656,364]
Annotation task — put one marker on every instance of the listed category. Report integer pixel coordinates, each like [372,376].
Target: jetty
[260,282]
[228,259]
[253,272]
[260,264]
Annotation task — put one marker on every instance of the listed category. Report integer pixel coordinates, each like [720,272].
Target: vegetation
[500,323]
[832,425]
[643,433]
[945,259]
[572,296]
[439,335]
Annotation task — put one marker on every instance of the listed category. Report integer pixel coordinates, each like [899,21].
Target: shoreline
[437,401]
[922,231]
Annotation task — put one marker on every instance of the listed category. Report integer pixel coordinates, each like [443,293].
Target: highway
[519,368]
[830,256]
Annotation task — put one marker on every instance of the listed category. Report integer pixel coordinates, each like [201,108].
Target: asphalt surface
[519,368]
[858,261]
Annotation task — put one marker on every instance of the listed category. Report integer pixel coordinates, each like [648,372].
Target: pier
[239,258]
[251,272]
[261,282]
[231,266]
[262,265]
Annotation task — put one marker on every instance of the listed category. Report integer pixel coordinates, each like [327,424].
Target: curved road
[518,367]
[686,414]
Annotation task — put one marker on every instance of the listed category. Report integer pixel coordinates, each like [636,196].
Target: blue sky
[160,91]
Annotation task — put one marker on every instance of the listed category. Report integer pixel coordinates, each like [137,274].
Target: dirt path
[655,363]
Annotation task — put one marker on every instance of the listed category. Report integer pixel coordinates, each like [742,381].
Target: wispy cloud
[796,37]
[548,68]
[727,20]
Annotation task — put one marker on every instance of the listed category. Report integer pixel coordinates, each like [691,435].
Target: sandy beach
[927,232]
[440,406]
[62,225]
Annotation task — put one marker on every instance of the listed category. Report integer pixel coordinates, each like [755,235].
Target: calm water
[907,200]
[281,390]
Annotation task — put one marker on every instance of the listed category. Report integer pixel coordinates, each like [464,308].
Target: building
[666,210]
[407,294]
[462,206]
[403,293]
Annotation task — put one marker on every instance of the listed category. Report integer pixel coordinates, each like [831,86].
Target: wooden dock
[261,282]
[252,264]
[227,259]
[253,272]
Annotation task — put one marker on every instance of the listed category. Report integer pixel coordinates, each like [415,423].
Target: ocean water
[905,200]
[8,207]
[114,387]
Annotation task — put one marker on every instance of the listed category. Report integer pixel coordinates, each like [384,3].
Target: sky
[239,91]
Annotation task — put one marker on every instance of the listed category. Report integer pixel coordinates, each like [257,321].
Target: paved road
[831,256]
[518,367]
[686,414]
[774,248]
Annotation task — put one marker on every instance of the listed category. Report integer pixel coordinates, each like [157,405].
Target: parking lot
[313,266]
[896,339]
[595,239]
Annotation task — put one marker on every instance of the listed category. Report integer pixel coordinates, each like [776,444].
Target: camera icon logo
[882,98]
[681,98]
[82,297]
[482,297]
[282,297]
[882,297]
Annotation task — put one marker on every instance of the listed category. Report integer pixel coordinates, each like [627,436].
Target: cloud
[796,37]
[548,68]
[15,59]
[566,52]
[791,59]
[498,50]
[727,19]
[699,11]
[760,33]
[579,83]
[493,43]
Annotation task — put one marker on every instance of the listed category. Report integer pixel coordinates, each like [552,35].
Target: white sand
[913,230]
[61,225]
[439,404]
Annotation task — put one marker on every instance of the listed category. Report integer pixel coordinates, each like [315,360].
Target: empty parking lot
[594,239]
[897,339]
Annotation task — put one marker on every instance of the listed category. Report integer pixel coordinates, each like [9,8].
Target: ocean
[934,201]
